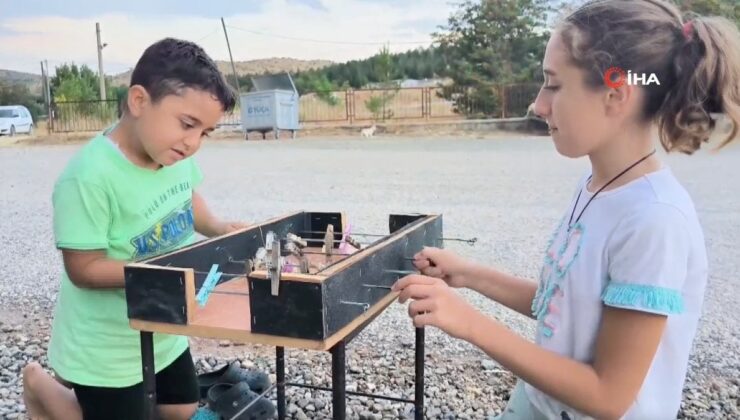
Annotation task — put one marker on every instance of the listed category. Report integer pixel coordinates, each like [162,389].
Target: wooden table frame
[161,299]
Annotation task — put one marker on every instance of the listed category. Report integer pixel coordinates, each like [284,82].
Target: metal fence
[339,107]
[72,116]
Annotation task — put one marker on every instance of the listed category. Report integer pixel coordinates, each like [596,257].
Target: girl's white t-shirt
[639,246]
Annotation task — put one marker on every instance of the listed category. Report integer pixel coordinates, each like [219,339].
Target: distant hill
[243,68]
[260,66]
[33,81]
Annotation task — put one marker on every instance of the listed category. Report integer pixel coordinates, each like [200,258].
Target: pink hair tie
[688,29]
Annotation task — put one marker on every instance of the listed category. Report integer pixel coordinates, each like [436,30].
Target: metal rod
[376,286]
[470,241]
[240,274]
[358,394]
[419,376]
[365,305]
[342,233]
[280,379]
[333,240]
[321,253]
[402,272]
[338,382]
[223,274]
[218,292]
[147,368]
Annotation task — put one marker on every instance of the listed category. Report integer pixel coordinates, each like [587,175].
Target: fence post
[351,106]
[503,101]
[51,117]
[424,107]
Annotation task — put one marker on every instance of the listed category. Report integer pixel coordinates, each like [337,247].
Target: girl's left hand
[437,304]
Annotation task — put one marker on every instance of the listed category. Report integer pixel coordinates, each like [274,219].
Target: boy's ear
[138,99]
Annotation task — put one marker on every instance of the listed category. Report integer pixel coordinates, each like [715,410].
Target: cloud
[89,8]
[339,31]
[314,4]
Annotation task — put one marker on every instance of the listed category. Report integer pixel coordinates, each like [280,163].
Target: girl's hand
[436,304]
[445,265]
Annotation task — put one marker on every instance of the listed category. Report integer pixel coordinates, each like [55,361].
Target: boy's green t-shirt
[102,201]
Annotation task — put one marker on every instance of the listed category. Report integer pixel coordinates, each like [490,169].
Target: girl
[624,274]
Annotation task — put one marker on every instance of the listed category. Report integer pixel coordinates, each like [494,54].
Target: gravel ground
[508,192]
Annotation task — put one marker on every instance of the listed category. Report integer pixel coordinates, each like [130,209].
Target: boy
[129,194]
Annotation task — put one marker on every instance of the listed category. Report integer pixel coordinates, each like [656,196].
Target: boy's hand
[222,228]
[443,264]
[437,304]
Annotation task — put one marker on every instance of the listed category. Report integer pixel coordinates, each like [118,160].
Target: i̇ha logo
[615,77]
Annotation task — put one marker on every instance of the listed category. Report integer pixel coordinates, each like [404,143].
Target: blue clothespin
[208,285]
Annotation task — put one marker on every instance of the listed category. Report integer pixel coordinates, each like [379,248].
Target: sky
[338,30]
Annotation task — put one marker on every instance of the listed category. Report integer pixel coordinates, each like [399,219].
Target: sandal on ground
[233,373]
[227,400]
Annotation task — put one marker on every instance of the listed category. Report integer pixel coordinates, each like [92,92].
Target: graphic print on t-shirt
[561,252]
[166,233]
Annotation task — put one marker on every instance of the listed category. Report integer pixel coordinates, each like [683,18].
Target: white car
[15,119]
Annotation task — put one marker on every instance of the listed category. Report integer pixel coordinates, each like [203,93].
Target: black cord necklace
[570,222]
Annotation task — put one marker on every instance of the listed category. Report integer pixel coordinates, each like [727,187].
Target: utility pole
[43,86]
[48,83]
[233,67]
[47,95]
[100,62]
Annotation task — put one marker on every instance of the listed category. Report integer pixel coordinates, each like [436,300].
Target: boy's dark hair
[170,65]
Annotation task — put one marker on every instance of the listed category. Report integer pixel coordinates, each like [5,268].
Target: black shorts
[176,384]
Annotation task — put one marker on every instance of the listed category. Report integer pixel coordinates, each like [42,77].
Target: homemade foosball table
[303,281]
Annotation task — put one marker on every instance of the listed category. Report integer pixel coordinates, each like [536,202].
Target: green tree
[726,8]
[383,67]
[729,9]
[324,90]
[73,83]
[488,43]
[74,90]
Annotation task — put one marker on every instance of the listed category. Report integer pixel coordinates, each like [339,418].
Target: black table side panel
[344,290]
[399,221]
[317,222]
[155,295]
[295,312]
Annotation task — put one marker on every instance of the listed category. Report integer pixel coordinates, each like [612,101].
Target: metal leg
[338,382]
[419,379]
[280,377]
[147,366]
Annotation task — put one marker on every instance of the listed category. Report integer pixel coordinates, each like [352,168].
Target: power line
[209,34]
[323,41]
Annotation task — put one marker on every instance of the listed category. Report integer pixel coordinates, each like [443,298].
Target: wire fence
[74,116]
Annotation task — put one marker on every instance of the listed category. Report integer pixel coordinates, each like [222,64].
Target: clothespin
[208,285]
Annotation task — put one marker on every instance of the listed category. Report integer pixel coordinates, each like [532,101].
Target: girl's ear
[138,99]
[621,101]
